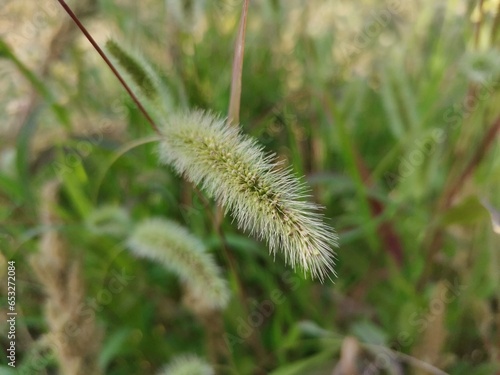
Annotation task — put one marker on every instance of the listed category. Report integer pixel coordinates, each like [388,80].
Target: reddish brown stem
[481,151]
[111,66]
[436,235]
[386,232]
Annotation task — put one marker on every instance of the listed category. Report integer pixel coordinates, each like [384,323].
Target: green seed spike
[266,199]
[133,68]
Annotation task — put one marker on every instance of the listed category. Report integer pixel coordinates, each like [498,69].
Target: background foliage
[390,110]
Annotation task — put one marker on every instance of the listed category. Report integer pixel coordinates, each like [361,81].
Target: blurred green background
[389,109]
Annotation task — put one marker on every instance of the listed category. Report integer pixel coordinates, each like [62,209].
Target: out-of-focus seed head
[184,254]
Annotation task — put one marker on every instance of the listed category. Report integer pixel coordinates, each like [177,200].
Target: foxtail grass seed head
[184,254]
[143,79]
[187,365]
[134,68]
[265,199]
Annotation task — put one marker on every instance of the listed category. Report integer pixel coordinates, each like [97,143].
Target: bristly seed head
[184,254]
[265,199]
[134,68]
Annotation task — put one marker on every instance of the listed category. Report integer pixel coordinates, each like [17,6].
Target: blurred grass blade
[306,366]
[239,53]
[23,152]
[391,106]
[113,346]
[407,97]
[74,182]
[11,188]
[60,112]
